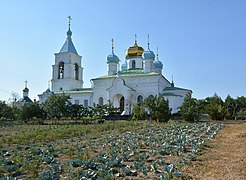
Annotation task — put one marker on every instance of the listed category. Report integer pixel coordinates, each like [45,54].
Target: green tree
[6,111]
[57,106]
[99,111]
[241,113]
[214,107]
[149,105]
[241,107]
[230,108]
[76,111]
[190,110]
[162,111]
[32,111]
[139,112]
[156,107]
[110,110]
[241,103]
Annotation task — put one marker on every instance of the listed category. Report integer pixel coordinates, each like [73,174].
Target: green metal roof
[170,94]
[76,91]
[129,73]
[175,88]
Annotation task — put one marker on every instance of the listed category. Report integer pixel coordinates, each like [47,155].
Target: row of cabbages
[147,151]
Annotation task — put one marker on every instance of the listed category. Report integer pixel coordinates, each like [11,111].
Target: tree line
[192,109]
[154,108]
[56,108]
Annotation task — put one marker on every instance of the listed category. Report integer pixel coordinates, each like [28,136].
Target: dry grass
[225,157]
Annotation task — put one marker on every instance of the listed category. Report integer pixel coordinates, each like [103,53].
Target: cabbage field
[140,152]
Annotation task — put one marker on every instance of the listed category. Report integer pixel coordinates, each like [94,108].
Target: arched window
[151,96]
[133,64]
[140,99]
[76,71]
[100,101]
[122,104]
[61,70]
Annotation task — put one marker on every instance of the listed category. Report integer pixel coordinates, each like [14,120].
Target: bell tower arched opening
[76,71]
[61,70]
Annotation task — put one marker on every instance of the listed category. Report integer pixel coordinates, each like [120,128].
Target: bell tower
[67,72]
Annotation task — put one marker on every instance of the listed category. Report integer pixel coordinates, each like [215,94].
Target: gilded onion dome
[134,50]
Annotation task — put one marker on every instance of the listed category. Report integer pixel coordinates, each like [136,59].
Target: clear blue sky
[202,44]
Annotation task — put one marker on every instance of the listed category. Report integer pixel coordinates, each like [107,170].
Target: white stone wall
[69,82]
[60,85]
[144,86]
[176,101]
[80,97]
[100,87]
[138,60]
[148,65]
[112,68]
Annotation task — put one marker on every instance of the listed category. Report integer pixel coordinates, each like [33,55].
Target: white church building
[137,78]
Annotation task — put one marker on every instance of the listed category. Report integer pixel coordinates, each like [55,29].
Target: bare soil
[224,158]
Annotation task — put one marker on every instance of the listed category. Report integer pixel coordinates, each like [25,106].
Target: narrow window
[100,101]
[76,72]
[86,103]
[133,64]
[61,70]
[77,101]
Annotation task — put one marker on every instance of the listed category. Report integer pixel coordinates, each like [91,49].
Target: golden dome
[134,50]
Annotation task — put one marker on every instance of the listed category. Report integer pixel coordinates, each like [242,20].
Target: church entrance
[119,102]
[122,104]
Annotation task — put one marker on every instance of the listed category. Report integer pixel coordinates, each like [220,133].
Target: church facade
[138,77]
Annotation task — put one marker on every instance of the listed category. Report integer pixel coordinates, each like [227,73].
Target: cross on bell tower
[67,70]
[69,21]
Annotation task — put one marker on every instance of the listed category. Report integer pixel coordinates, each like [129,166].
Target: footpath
[225,157]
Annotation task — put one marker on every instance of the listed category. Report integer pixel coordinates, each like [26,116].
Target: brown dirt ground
[224,158]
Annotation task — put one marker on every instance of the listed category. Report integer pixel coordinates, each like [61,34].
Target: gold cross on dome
[135,38]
